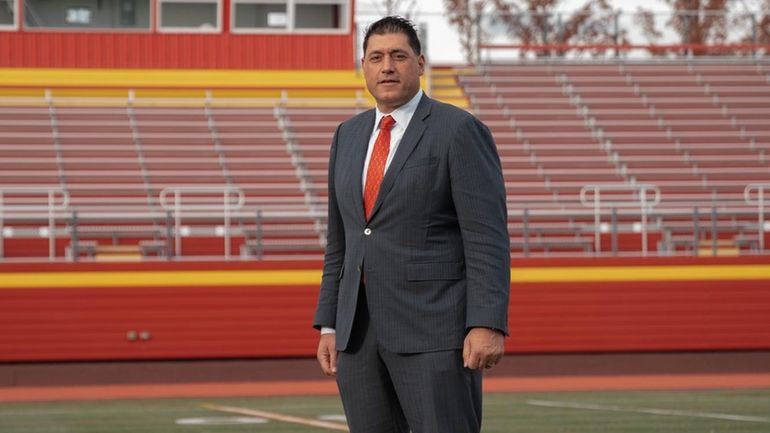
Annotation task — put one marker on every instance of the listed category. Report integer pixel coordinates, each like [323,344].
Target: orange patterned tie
[377,164]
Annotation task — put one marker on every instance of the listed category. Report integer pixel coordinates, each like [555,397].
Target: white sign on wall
[78,16]
[277,19]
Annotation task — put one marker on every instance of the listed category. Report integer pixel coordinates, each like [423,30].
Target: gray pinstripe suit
[435,252]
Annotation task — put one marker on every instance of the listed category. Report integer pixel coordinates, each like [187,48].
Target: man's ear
[421,63]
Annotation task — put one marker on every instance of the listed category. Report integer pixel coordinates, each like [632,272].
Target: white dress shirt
[402,115]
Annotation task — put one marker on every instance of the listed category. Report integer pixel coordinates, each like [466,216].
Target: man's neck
[391,108]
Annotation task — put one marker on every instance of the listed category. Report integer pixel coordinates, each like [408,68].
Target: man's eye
[375,58]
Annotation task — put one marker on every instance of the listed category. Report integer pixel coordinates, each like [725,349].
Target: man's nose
[387,64]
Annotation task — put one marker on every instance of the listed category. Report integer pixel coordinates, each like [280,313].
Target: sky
[442,45]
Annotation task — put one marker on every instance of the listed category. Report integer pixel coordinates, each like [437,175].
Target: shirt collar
[403,114]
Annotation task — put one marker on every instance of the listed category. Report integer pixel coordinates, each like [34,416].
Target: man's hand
[327,354]
[483,348]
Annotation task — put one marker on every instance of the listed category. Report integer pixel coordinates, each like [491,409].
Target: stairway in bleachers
[664,124]
[696,131]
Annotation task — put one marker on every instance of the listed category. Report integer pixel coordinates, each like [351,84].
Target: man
[414,298]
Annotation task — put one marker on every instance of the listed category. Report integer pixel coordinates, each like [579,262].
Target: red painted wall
[152,50]
[174,51]
[274,321]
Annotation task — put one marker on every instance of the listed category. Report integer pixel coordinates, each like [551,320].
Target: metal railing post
[50,207]
[51,227]
[177,224]
[614,238]
[525,229]
[643,202]
[714,233]
[597,221]
[258,234]
[760,202]
[226,210]
[761,219]
[226,206]
[169,223]
[695,230]
[74,238]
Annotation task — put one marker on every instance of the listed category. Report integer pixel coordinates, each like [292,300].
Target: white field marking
[277,417]
[221,420]
[340,418]
[668,412]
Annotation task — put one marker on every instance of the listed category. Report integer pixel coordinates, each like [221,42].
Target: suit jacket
[435,251]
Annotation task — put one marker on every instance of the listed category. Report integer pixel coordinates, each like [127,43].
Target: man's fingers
[324,362]
[466,352]
[327,354]
[474,358]
[333,362]
[483,348]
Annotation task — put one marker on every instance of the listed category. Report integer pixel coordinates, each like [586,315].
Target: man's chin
[390,98]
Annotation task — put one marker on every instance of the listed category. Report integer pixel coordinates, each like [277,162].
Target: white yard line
[277,417]
[650,411]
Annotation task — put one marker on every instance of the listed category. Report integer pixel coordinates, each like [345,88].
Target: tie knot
[387,122]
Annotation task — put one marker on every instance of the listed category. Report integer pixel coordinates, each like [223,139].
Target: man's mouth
[389,82]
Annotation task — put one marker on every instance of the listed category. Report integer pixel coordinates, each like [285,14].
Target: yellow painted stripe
[30,280]
[175,78]
[574,274]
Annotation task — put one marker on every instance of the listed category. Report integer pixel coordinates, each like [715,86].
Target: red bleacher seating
[697,131]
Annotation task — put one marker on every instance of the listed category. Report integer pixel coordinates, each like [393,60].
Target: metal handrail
[760,202]
[541,227]
[642,203]
[226,206]
[51,206]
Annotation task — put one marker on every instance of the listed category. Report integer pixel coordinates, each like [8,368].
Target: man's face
[392,70]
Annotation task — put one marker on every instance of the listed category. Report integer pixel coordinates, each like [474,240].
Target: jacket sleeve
[326,309]
[478,192]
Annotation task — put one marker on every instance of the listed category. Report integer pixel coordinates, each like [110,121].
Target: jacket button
[367,231]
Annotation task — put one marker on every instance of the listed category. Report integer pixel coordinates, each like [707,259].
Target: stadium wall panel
[34,49]
[210,310]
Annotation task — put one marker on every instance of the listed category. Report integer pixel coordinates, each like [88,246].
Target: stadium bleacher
[691,129]
[696,131]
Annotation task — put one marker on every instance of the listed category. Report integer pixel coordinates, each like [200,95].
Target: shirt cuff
[326,330]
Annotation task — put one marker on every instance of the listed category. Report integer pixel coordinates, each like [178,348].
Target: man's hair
[394,24]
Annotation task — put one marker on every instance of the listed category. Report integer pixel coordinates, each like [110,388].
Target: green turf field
[739,411]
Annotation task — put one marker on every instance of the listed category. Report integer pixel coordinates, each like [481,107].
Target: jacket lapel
[362,133]
[410,139]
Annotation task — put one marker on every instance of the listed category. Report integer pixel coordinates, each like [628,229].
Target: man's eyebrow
[393,51]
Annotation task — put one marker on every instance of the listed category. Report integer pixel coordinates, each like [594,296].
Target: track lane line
[649,411]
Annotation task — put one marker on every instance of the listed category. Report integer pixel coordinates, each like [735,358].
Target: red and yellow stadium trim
[312,277]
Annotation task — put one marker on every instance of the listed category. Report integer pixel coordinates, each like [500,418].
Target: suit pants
[386,392]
